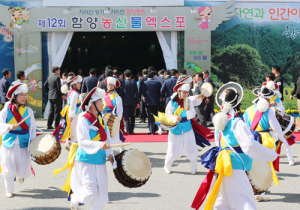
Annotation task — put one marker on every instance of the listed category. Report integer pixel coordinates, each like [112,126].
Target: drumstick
[23,120]
[118,145]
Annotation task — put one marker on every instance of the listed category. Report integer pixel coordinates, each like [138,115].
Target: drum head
[207,89]
[42,145]
[137,165]
[260,175]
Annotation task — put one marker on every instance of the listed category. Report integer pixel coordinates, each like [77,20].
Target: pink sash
[108,101]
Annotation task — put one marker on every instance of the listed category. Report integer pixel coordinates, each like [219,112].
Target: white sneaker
[9,195]
[194,172]
[262,198]
[291,163]
[167,171]
[21,180]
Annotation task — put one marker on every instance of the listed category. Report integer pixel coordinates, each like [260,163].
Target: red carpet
[144,137]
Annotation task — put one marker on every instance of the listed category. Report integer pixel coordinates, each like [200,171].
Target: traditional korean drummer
[113,104]
[88,177]
[15,159]
[231,157]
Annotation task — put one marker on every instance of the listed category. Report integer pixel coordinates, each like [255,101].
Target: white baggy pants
[176,144]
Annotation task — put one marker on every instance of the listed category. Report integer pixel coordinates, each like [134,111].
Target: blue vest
[78,102]
[182,127]
[9,139]
[232,141]
[264,121]
[99,158]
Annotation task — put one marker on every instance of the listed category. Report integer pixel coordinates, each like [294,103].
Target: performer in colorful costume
[15,158]
[113,104]
[275,100]
[260,117]
[231,157]
[87,177]
[181,110]
[70,112]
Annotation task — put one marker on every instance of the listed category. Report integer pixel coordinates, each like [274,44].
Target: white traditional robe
[236,192]
[186,141]
[15,162]
[72,114]
[89,181]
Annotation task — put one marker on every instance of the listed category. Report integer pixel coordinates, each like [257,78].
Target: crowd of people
[93,111]
[150,93]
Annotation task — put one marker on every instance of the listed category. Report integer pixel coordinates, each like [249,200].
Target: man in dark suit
[166,90]
[103,85]
[141,96]
[130,101]
[167,75]
[52,86]
[103,76]
[4,85]
[207,108]
[200,82]
[151,91]
[89,82]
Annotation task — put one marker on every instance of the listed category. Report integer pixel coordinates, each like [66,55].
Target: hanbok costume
[231,157]
[71,110]
[187,132]
[15,158]
[280,110]
[270,120]
[113,104]
[87,181]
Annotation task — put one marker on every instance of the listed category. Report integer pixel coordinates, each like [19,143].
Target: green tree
[292,67]
[240,63]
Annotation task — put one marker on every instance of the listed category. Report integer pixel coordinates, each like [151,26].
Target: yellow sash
[223,168]
[67,132]
[273,98]
[71,159]
[267,141]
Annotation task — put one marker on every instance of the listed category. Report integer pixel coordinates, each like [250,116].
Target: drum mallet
[23,120]
[118,145]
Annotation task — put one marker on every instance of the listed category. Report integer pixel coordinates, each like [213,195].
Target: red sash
[18,116]
[108,101]
[91,118]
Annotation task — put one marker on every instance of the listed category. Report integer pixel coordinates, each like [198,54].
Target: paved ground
[161,192]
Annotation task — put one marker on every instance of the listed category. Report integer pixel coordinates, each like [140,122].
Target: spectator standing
[20,78]
[52,86]
[200,81]
[89,82]
[130,101]
[140,75]
[151,91]
[278,79]
[166,90]
[167,75]
[296,91]
[103,85]
[141,96]
[103,76]
[206,108]
[4,85]
[64,78]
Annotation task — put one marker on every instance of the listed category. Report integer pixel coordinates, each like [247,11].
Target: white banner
[110,3]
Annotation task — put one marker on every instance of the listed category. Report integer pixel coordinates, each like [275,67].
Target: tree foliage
[240,63]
